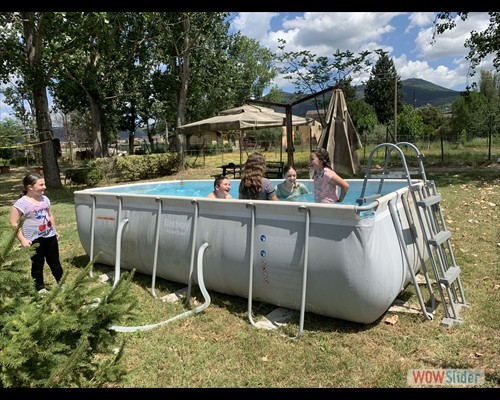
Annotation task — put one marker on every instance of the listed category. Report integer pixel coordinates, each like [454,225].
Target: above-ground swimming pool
[340,260]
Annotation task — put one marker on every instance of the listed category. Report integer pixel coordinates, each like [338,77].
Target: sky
[405,36]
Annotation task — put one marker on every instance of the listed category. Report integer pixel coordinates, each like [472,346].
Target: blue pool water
[201,188]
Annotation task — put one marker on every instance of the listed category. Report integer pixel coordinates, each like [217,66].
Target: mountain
[419,93]
[416,92]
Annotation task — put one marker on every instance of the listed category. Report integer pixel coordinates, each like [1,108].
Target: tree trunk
[36,79]
[51,170]
[96,128]
[183,90]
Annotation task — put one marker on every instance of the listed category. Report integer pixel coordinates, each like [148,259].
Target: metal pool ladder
[435,234]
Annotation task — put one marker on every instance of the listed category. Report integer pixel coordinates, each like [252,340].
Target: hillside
[421,92]
[417,92]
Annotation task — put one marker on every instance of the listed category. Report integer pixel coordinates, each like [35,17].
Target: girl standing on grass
[38,227]
[325,179]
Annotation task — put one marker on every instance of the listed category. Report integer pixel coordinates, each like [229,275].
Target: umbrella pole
[289,135]
[281,146]
[241,150]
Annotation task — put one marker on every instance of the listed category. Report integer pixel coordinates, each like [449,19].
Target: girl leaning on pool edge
[325,179]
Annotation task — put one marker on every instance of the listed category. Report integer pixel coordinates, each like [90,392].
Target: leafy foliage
[383,89]
[480,44]
[62,338]
[131,168]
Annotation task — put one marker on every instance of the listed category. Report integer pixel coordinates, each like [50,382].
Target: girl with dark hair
[290,188]
[38,226]
[254,185]
[325,179]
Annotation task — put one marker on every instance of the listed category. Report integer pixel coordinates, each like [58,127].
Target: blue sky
[406,36]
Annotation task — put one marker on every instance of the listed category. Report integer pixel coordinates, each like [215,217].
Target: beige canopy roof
[245,117]
[339,137]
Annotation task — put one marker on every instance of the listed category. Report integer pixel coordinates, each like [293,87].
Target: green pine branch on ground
[61,338]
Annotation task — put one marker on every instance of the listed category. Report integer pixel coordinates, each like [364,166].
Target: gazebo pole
[241,150]
[289,135]
[288,107]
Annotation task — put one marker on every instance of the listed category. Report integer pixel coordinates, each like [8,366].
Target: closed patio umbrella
[339,137]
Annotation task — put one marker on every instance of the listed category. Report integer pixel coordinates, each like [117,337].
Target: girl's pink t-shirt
[324,191]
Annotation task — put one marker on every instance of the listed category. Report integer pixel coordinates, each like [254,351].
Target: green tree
[432,119]
[311,73]
[62,339]
[11,134]
[363,116]
[94,73]
[480,44]
[181,34]
[23,39]
[383,91]
[410,124]
[470,114]
[490,87]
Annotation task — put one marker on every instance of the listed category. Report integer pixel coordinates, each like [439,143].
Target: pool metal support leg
[204,292]
[196,205]
[118,245]
[304,272]
[397,226]
[92,231]
[157,242]
[250,267]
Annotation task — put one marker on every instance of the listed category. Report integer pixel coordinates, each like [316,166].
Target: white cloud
[406,37]
[255,25]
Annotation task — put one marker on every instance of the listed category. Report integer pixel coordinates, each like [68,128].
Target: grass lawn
[220,348]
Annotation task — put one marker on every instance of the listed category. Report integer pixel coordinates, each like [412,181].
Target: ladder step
[450,276]
[440,238]
[429,201]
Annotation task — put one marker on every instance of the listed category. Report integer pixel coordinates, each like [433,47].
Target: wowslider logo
[445,377]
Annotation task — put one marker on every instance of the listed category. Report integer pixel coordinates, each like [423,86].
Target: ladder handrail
[391,147]
[399,233]
[433,229]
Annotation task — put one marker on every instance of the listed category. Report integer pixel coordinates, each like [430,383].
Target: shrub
[61,339]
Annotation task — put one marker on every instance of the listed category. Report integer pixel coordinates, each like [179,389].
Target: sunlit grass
[220,348]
